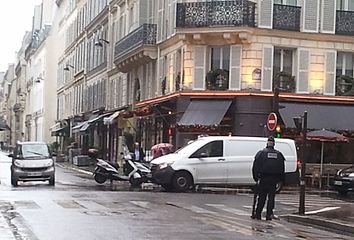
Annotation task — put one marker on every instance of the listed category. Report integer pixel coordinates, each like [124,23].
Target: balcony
[286,17]
[220,13]
[137,46]
[345,23]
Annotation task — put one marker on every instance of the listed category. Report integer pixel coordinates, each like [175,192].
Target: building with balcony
[218,63]
[169,70]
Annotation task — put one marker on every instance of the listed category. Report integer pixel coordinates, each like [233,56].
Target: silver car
[32,161]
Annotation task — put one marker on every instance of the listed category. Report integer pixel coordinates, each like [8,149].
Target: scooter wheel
[100,178]
[135,182]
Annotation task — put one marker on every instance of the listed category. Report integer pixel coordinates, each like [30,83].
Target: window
[283,61]
[345,5]
[286,2]
[220,58]
[212,149]
[345,64]
[283,70]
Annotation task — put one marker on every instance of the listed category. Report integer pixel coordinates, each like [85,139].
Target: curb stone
[324,223]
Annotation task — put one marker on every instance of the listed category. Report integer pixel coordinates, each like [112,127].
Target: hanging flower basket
[143,111]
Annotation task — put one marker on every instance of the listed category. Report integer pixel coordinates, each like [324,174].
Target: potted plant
[217,79]
[344,85]
[284,81]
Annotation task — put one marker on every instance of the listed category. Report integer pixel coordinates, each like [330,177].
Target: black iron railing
[220,13]
[345,22]
[286,17]
[145,35]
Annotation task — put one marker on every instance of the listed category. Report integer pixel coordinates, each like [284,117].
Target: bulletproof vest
[272,162]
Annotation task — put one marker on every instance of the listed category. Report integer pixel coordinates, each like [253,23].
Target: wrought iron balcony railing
[286,17]
[345,22]
[218,13]
[145,35]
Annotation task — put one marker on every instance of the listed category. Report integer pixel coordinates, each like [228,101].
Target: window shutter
[160,17]
[265,13]
[328,16]
[235,67]
[143,11]
[199,67]
[267,70]
[310,16]
[303,70]
[173,9]
[330,76]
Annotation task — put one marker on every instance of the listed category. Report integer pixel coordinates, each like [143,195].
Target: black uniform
[268,170]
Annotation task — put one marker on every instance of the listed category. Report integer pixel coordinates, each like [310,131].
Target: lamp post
[302,126]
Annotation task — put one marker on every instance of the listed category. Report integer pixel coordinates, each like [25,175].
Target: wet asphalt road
[77,208]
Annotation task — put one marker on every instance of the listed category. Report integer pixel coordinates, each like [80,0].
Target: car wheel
[52,181]
[342,192]
[100,178]
[182,181]
[14,182]
[278,187]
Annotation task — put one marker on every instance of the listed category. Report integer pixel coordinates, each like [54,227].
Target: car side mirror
[203,155]
[10,155]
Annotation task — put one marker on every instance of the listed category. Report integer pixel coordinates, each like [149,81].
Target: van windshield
[192,147]
[31,151]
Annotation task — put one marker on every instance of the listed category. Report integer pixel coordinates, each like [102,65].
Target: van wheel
[182,181]
[278,187]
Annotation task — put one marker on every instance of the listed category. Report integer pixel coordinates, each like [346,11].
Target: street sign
[272,121]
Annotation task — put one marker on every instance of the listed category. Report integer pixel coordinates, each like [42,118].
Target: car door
[210,163]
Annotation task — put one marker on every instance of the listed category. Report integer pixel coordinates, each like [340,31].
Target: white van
[219,160]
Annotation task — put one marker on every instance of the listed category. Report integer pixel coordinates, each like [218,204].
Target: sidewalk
[5,230]
[340,220]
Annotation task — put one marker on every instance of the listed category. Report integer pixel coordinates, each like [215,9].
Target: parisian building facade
[156,71]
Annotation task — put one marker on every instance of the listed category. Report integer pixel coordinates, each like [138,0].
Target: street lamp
[301,125]
[66,68]
[99,42]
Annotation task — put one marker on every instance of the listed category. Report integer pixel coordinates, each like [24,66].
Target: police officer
[268,170]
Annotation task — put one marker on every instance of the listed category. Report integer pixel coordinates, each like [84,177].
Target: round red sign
[272,121]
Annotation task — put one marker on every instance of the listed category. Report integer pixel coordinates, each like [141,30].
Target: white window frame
[344,62]
[222,48]
[286,2]
[343,5]
[282,59]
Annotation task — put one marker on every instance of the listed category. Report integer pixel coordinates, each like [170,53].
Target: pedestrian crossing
[231,216]
[286,202]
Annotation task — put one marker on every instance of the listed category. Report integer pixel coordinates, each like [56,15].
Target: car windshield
[192,147]
[34,151]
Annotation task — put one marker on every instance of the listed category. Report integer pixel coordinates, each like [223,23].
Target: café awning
[205,112]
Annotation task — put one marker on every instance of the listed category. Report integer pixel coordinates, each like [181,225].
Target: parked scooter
[139,172]
[134,172]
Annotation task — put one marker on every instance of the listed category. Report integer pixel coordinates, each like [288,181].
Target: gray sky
[15,20]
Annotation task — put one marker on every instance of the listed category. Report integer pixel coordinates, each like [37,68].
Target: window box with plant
[284,81]
[344,85]
[217,79]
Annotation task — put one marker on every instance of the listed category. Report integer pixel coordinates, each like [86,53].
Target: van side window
[212,149]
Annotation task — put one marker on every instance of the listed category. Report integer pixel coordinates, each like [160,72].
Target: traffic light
[278,130]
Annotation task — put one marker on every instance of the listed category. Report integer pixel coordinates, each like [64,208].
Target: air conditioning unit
[81,160]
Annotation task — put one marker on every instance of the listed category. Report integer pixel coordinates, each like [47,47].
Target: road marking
[326,209]
[229,209]
[142,204]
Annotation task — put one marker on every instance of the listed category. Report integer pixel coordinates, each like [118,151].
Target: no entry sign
[272,121]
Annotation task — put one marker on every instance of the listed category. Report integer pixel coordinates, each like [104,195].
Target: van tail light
[298,164]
